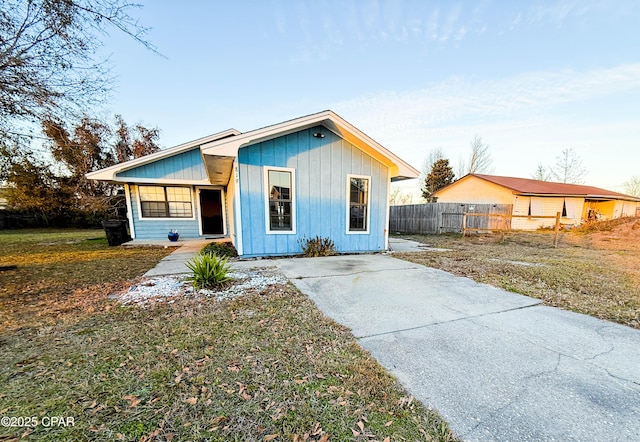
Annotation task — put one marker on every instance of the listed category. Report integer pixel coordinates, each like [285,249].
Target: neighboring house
[267,189]
[531,198]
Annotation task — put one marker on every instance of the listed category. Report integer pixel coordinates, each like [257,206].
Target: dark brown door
[211,207]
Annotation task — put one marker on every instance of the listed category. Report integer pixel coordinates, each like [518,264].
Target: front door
[211,211]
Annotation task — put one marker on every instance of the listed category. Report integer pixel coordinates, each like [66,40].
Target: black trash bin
[116,230]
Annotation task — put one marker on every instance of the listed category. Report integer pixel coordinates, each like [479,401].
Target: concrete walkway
[498,366]
[175,262]
[405,245]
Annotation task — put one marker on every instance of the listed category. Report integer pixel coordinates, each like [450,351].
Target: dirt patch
[618,234]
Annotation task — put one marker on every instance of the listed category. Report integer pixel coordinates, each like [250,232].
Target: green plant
[221,249]
[317,246]
[209,270]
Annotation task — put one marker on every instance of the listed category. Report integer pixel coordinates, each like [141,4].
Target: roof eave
[109,173]
[330,120]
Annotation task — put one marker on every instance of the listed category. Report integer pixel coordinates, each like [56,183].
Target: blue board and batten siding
[320,191]
[159,228]
[184,166]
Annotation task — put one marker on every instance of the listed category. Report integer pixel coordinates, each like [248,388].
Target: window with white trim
[165,202]
[280,217]
[358,204]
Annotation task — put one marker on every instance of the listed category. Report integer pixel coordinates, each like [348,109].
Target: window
[280,216]
[358,208]
[536,207]
[165,202]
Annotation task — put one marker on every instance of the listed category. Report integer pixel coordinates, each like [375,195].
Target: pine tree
[441,175]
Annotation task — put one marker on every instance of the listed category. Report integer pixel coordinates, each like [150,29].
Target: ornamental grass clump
[225,249]
[317,246]
[209,271]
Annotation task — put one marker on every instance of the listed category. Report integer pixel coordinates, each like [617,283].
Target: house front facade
[533,199]
[266,190]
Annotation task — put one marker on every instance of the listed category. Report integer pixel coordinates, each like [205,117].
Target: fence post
[464,224]
[556,230]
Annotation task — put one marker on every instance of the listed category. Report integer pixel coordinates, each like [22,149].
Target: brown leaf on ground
[133,401]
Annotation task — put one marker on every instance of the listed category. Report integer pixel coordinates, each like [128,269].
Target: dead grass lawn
[265,366]
[595,270]
[61,272]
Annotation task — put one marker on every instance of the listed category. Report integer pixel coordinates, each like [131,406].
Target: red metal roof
[534,187]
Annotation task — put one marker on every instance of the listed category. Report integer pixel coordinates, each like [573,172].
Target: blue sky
[530,78]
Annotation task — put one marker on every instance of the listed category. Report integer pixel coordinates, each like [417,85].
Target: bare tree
[541,173]
[399,198]
[479,160]
[434,155]
[632,186]
[48,65]
[568,168]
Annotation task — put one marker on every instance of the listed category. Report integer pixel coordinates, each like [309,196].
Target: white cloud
[459,98]
[559,11]
[524,118]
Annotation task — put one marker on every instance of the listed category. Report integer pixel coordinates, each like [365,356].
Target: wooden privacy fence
[448,217]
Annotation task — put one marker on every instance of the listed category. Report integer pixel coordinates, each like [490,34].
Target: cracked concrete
[497,365]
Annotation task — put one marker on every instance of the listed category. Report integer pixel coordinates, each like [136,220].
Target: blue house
[266,189]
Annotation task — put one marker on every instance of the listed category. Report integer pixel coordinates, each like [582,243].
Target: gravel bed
[167,288]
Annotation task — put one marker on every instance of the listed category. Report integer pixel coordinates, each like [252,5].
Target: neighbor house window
[165,202]
[358,208]
[280,212]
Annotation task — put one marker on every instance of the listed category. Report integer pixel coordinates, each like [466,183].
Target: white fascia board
[230,146]
[404,168]
[161,181]
[109,173]
[582,195]
[329,119]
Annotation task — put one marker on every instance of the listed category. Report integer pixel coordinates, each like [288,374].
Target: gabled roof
[109,173]
[218,150]
[329,119]
[525,186]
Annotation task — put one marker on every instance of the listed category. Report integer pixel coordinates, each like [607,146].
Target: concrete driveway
[497,366]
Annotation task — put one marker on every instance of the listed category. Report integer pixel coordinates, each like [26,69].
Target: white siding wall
[545,206]
[625,208]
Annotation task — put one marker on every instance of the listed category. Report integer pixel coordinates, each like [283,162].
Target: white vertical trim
[386,218]
[238,214]
[348,204]
[198,209]
[127,198]
[228,206]
[222,205]
[266,191]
